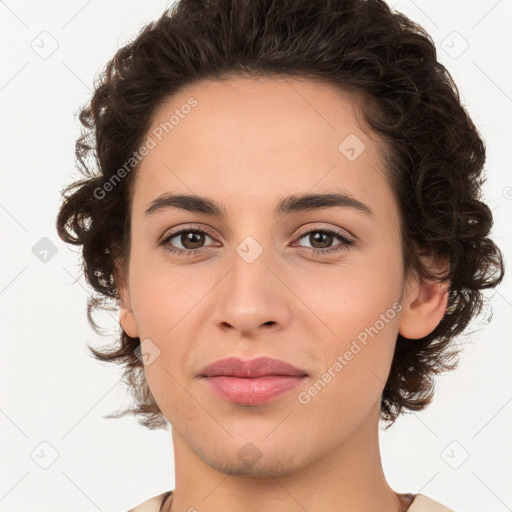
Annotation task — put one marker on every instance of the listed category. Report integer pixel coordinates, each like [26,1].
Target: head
[218,100]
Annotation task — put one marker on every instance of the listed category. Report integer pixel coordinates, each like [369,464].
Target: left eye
[324,237]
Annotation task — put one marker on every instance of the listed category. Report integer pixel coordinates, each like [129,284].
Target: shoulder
[422,503]
[153,504]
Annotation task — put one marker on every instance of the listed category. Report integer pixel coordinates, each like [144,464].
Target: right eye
[190,239]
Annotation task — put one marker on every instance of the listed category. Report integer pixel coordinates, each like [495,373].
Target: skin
[247,144]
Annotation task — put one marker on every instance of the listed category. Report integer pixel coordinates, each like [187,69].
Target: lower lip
[252,391]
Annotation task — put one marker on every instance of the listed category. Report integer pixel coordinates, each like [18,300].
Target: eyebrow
[290,204]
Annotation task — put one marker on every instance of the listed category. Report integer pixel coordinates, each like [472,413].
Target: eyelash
[346,242]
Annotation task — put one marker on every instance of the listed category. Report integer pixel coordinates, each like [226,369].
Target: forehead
[243,139]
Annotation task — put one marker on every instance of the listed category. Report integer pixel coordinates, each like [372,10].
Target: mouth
[252,390]
[253,382]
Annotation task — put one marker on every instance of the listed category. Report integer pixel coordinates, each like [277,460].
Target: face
[321,288]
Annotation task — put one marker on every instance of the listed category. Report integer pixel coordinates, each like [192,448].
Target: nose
[252,298]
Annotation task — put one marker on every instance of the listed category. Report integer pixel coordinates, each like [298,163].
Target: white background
[52,391]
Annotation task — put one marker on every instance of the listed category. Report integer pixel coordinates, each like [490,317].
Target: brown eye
[191,239]
[186,241]
[321,240]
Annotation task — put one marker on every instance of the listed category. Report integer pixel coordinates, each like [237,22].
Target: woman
[286,211]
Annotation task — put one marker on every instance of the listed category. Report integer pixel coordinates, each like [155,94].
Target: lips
[252,382]
[259,367]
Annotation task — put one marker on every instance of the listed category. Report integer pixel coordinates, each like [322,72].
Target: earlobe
[126,315]
[424,306]
[127,322]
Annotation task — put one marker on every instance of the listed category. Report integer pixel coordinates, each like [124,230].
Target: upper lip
[258,367]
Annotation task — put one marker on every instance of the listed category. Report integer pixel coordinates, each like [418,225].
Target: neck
[347,478]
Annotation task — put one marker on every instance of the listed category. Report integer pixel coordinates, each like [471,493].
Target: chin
[266,467]
[251,460]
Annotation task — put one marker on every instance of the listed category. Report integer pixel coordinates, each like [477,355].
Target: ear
[425,301]
[126,315]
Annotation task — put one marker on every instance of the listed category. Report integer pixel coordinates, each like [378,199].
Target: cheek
[356,367]
[348,298]
[164,297]
[356,318]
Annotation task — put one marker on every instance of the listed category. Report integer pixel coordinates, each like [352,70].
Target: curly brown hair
[434,166]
